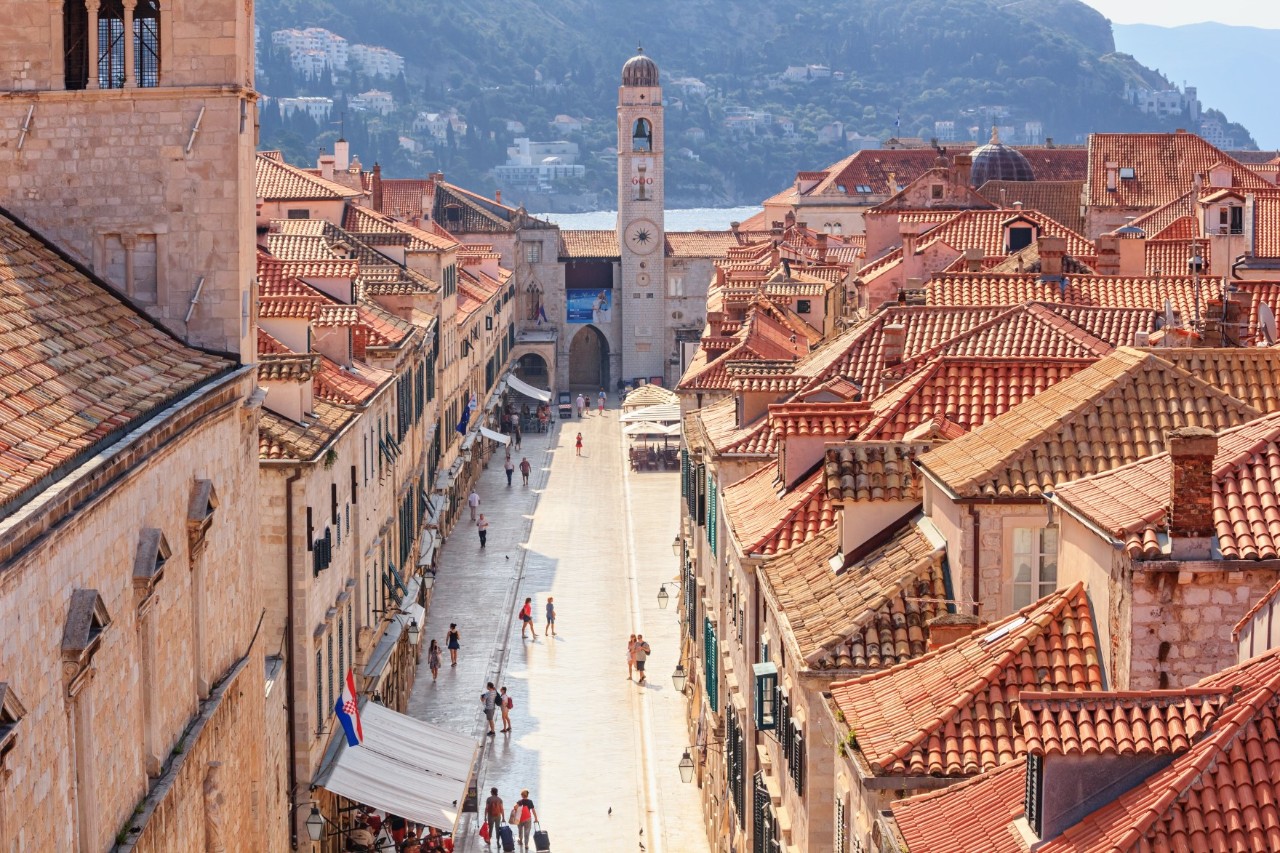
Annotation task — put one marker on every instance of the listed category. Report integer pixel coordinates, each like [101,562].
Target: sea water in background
[691,219]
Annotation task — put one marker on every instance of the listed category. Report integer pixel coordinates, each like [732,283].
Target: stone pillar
[93,6]
[129,79]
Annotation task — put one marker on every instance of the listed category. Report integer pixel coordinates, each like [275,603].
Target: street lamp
[663,595]
[428,579]
[415,633]
[686,773]
[678,678]
[676,546]
[315,823]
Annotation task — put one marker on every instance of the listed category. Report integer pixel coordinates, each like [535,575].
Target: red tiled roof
[1107,415]
[1131,502]
[765,520]
[364,220]
[873,471]
[278,181]
[953,712]
[576,243]
[1153,722]
[971,816]
[1107,291]
[873,614]
[1058,200]
[1170,257]
[1165,165]
[985,229]
[966,392]
[77,365]
[835,421]
[719,422]
[699,244]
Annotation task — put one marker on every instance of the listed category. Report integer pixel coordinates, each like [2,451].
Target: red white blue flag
[348,712]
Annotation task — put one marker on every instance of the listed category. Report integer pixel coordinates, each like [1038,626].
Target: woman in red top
[578,445]
[526,619]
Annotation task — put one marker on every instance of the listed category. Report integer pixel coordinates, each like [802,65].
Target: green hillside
[905,64]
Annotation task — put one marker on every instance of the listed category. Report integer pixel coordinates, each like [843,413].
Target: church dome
[640,70]
[996,161]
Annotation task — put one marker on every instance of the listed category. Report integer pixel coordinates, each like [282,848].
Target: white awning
[665,413]
[404,766]
[496,436]
[528,390]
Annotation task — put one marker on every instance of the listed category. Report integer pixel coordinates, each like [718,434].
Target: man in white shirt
[473,501]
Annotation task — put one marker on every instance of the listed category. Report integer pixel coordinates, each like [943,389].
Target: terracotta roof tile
[364,220]
[835,421]
[1131,502]
[278,181]
[286,368]
[348,386]
[953,712]
[576,243]
[975,816]
[1143,723]
[985,229]
[1105,416]
[1251,374]
[1165,166]
[871,615]
[1058,200]
[699,244]
[873,471]
[281,438]
[766,520]
[1089,290]
[1170,257]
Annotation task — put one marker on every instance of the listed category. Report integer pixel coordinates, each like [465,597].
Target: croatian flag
[347,711]
[466,414]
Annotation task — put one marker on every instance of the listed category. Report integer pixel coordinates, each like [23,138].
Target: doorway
[589,359]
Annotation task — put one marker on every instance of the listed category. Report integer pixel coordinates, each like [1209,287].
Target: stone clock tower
[642,294]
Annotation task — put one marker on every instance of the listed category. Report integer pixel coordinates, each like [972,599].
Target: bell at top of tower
[640,70]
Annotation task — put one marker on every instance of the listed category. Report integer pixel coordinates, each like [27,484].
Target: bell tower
[641,235]
[132,148]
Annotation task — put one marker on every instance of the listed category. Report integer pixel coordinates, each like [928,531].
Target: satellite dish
[1169,322]
[1267,322]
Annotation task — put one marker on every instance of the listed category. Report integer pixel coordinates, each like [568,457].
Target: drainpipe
[973,516]
[289,650]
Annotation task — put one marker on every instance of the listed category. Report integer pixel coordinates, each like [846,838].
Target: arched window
[114,48]
[642,135]
[146,43]
[75,40]
[111,59]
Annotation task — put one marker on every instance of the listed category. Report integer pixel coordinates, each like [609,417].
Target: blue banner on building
[588,306]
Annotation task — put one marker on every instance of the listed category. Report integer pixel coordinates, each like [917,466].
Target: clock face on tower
[642,236]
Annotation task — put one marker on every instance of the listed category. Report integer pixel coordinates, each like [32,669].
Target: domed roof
[640,70]
[996,161]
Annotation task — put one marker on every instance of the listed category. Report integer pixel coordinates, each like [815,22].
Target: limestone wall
[95,548]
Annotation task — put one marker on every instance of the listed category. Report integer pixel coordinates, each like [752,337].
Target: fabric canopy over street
[644,428]
[665,413]
[496,436]
[405,767]
[528,390]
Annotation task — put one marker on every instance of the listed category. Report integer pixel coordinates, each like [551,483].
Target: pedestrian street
[598,753]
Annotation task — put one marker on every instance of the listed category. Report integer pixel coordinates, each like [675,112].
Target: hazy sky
[1172,13]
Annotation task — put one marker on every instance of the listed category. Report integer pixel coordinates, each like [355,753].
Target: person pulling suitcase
[541,840]
[506,838]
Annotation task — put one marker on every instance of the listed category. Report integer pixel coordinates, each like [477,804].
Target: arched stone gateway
[532,368]
[589,359]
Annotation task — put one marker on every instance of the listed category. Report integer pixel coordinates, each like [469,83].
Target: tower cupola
[640,70]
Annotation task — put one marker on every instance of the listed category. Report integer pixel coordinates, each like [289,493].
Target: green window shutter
[711,659]
[712,519]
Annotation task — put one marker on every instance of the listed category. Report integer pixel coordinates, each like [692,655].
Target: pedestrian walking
[524,469]
[494,810]
[523,815]
[526,619]
[518,433]
[505,704]
[473,501]
[577,445]
[510,468]
[631,656]
[451,640]
[489,701]
[433,659]
[642,655]
[551,616]
[582,405]
[482,527]
[602,399]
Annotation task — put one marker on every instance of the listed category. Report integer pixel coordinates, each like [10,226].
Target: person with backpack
[642,655]
[493,812]
[524,815]
[526,619]
[505,704]
[489,700]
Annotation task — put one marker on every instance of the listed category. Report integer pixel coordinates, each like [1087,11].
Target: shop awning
[528,390]
[430,542]
[404,766]
[496,436]
[664,413]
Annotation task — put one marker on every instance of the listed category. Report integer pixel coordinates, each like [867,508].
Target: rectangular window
[319,692]
[298,213]
[803,306]
[841,834]
[1032,794]
[1127,173]
[329,661]
[711,514]
[533,253]
[766,676]
[1035,563]
[935,191]
[675,286]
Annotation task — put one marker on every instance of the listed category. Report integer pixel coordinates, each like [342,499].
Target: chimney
[1142,339]
[821,250]
[973,259]
[1051,250]
[377,187]
[326,166]
[342,155]
[895,344]
[1113,175]
[1108,255]
[359,343]
[1048,142]
[962,169]
[790,219]
[734,229]
[497,196]
[1191,527]
[949,627]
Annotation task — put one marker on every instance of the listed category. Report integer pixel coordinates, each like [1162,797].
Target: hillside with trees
[878,69]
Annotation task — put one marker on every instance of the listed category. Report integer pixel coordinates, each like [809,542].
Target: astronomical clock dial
[642,236]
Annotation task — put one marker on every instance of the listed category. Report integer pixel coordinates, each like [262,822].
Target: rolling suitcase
[541,841]
[507,838]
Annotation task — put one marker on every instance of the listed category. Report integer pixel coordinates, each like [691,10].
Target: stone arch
[589,358]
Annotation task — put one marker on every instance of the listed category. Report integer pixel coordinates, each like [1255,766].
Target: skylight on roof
[863,188]
[1005,629]
[1127,173]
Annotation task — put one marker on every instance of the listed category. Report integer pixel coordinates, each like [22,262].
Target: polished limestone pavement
[586,740]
